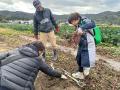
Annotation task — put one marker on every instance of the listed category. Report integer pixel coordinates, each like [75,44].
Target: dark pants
[83,55]
[80,69]
[4,88]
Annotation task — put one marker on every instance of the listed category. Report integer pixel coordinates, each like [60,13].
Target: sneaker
[78,75]
[86,71]
[55,55]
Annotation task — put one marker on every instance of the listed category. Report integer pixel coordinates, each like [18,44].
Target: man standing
[44,23]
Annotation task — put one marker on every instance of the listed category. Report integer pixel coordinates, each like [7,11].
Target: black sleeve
[3,55]
[48,70]
[35,24]
[53,19]
[6,54]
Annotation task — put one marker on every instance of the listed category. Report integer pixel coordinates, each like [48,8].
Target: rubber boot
[55,55]
[44,56]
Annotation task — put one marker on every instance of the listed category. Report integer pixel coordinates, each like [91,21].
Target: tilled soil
[100,50]
[104,52]
[100,78]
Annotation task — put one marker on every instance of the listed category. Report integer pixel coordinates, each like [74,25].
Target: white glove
[63,77]
[52,66]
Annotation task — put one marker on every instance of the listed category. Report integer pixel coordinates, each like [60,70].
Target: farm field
[101,76]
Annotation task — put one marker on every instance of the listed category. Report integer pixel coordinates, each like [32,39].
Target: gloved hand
[36,37]
[63,77]
[57,29]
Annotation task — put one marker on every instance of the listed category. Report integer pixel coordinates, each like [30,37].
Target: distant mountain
[9,15]
[108,17]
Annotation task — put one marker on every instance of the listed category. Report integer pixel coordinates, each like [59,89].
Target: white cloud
[63,6]
[21,6]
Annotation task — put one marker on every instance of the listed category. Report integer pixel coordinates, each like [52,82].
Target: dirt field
[100,78]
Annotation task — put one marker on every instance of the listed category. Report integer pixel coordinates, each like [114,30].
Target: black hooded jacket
[19,68]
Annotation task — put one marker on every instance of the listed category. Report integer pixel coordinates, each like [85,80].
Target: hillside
[8,15]
[104,17]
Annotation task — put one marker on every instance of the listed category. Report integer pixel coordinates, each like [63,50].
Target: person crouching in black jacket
[19,67]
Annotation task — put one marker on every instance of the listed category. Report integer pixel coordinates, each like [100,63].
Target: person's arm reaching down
[52,18]
[48,70]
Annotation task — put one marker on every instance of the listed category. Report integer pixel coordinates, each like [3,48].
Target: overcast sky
[63,6]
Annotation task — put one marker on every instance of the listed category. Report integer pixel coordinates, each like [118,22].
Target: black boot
[44,56]
[55,55]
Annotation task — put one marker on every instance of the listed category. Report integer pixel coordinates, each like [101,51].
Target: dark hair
[73,16]
[39,45]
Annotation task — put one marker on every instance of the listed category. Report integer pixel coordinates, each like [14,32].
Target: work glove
[63,77]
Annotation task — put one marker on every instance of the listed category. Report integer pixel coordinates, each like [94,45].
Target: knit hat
[36,3]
